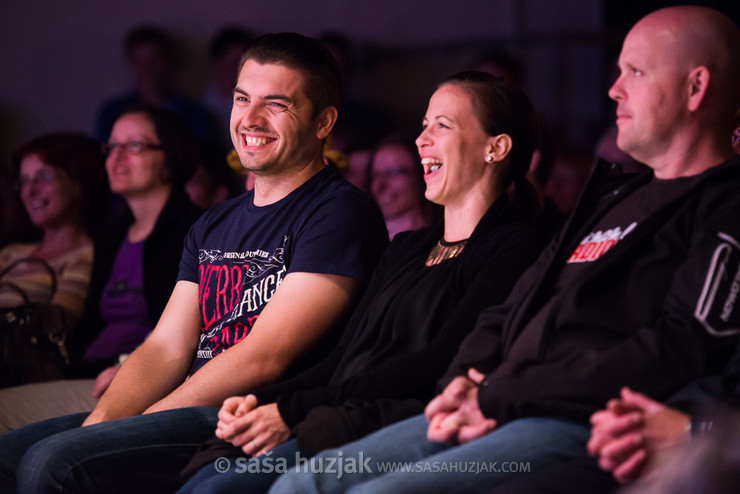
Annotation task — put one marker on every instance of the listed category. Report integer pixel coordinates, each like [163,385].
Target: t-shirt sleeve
[189,263]
[190,259]
[344,236]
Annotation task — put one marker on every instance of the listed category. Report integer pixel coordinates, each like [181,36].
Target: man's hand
[454,416]
[631,431]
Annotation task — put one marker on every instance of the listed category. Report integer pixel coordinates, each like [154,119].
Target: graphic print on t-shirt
[233,289]
[596,244]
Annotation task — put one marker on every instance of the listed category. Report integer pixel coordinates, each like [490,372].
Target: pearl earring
[489,159]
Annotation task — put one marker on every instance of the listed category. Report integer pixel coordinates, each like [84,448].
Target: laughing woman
[150,156]
[477,140]
[61,182]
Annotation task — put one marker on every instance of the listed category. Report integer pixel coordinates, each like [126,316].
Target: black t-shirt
[239,253]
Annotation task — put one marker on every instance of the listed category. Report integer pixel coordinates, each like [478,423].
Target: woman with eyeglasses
[61,183]
[149,156]
[396,182]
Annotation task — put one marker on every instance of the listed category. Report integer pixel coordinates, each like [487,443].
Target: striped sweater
[33,279]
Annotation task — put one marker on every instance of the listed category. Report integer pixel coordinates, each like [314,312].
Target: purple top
[123,307]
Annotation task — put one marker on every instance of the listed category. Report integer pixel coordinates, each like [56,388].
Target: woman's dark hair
[81,158]
[322,82]
[182,151]
[502,108]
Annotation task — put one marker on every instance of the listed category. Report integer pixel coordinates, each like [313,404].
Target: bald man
[638,290]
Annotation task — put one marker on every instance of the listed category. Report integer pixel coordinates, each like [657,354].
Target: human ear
[498,147]
[698,83]
[325,122]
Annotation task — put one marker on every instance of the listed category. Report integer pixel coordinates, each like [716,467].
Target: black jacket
[161,259]
[656,312]
[503,244]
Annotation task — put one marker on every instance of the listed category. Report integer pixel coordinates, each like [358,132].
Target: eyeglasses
[131,147]
[41,177]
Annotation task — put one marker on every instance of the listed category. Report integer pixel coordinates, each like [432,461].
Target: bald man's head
[678,92]
[696,36]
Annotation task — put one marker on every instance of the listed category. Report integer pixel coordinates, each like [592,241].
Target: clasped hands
[454,416]
[255,429]
[631,430]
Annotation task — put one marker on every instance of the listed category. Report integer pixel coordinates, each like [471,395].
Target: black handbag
[32,335]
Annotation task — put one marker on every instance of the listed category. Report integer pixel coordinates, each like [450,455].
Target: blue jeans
[138,454]
[522,446]
[244,474]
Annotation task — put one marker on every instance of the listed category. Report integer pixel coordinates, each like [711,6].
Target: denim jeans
[516,448]
[244,474]
[138,454]
[581,475]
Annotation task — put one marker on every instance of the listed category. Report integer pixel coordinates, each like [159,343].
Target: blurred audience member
[245,177]
[225,50]
[150,155]
[570,169]
[213,180]
[396,182]
[499,63]
[148,54]
[709,464]
[61,181]
[550,218]
[360,124]
[358,164]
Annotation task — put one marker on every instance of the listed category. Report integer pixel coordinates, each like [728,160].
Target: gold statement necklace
[445,250]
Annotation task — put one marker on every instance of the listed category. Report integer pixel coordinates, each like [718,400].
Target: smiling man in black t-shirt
[264,278]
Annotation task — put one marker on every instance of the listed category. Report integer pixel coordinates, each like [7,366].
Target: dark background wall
[59,60]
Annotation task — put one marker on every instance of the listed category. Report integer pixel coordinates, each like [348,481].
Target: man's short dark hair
[320,71]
